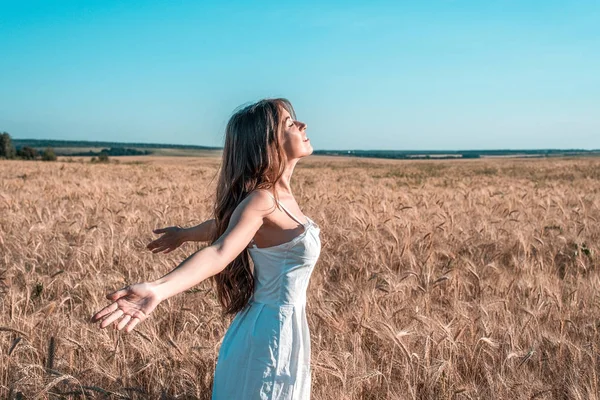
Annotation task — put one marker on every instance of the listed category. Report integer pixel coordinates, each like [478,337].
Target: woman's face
[295,143]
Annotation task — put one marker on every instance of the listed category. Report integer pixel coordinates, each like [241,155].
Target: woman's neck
[284,185]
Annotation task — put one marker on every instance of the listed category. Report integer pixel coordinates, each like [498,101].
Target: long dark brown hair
[253,158]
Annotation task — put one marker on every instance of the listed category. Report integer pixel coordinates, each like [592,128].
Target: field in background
[466,279]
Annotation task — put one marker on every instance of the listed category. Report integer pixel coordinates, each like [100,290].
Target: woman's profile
[265,352]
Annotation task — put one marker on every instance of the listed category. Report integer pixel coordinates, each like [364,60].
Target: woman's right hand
[172,238]
[134,303]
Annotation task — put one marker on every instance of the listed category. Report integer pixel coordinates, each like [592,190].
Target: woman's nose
[301,125]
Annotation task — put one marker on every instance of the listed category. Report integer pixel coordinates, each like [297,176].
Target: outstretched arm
[175,236]
[203,232]
[245,221]
[135,302]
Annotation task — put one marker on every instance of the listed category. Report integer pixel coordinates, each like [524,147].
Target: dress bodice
[282,272]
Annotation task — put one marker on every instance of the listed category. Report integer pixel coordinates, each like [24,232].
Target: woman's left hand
[172,238]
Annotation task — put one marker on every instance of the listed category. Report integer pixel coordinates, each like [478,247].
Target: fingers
[105,311]
[128,322]
[159,245]
[163,230]
[153,244]
[161,248]
[132,324]
[118,294]
[126,318]
[111,318]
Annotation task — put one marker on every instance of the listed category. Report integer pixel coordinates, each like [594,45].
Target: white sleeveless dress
[265,353]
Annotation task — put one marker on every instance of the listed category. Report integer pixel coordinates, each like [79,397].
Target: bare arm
[135,302]
[203,232]
[245,222]
[174,236]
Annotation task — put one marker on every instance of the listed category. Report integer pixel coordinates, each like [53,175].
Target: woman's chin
[308,151]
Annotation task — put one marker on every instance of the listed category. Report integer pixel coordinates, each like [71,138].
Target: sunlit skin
[254,218]
[296,146]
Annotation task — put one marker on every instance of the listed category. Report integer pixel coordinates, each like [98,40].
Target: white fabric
[265,353]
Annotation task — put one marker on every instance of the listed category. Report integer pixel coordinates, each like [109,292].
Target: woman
[265,353]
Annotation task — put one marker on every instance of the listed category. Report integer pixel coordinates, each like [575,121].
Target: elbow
[222,258]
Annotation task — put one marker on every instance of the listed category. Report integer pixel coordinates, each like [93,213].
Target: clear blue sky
[363,75]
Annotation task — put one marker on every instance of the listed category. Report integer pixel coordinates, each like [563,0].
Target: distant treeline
[124,149]
[114,151]
[424,154]
[39,143]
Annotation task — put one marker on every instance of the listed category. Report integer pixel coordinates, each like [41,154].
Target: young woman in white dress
[265,353]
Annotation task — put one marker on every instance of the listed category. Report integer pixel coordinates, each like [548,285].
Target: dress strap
[291,215]
[289,212]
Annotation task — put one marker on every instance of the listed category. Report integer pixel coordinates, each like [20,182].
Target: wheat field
[464,279]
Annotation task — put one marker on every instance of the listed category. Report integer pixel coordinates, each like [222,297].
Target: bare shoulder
[262,195]
[259,201]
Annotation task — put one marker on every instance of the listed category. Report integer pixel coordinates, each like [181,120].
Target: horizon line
[343,150]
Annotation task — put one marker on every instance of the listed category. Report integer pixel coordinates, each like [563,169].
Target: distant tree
[7,150]
[48,154]
[470,155]
[103,157]
[27,153]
